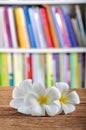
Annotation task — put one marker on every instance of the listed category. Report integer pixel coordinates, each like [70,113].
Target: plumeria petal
[52,94]
[73,97]
[38,89]
[52,109]
[25,86]
[63,87]
[22,89]
[17,93]
[68,108]
[59,106]
[24,109]
[16,103]
[38,111]
[30,98]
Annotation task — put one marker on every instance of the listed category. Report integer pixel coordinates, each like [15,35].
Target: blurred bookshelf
[30,51]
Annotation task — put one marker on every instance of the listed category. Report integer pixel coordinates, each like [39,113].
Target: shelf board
[60,50]
[36,2]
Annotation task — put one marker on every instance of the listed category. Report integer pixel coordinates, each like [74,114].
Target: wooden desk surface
[10,119]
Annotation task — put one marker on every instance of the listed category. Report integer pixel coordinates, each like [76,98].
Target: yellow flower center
[43,100]
[63,99]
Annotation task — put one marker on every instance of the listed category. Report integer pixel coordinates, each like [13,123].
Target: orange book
[19,28]
[51,26]
[46,27]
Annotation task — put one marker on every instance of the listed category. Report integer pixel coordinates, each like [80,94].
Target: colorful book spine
[29,27]
[80,23]
[18,68]
[19,27]
[75,44]
[27,67]
[34,27]
[10,70]
[51,26]
[80,69]
[56,60]
[24,28]
[50,70]
[77,31]
[62,27]
[74,74]
[42,39]
[7,27]
[58,33]
[46,27]
[12,27]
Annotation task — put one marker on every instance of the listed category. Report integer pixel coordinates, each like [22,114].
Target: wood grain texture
[10,119]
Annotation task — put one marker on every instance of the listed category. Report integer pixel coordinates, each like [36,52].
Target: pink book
[45,24]
[62,27]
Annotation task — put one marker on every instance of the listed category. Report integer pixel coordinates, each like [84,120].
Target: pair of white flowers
[37,100]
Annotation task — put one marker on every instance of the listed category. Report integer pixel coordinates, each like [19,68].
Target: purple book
[71,31]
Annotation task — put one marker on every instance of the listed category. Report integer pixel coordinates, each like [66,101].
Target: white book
[79,18]
[34,27]
[41,36]
[24,28]
[34,67]
[76,31]
[3,34]
[12,27]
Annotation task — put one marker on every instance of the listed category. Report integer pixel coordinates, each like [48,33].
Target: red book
[62,27]
[6,25]
[46,28]
[28,71]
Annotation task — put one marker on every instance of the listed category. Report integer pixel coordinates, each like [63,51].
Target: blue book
[58,32]
[66,26]
[71,31]
[29,27]
[56,59]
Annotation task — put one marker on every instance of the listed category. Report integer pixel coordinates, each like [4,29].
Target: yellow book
[76,73]
[5,80]
[18,68]
[19,28]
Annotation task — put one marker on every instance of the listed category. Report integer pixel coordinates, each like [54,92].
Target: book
[58,33]
[76,31]
[27,66]
[19,27]
[29,27]
[13,34]
[3,70]
[51,26]
[18,68]
[24,28]
[34,27]
[50,70]
[56,67]
[46,27]
[10,70]
[41,34]
[80,23]
[74,74]
[71,31]
[80,69]
[60,20]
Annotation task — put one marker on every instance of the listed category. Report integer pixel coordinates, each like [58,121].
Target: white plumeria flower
[19,94]
[42,100]
[66,101]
